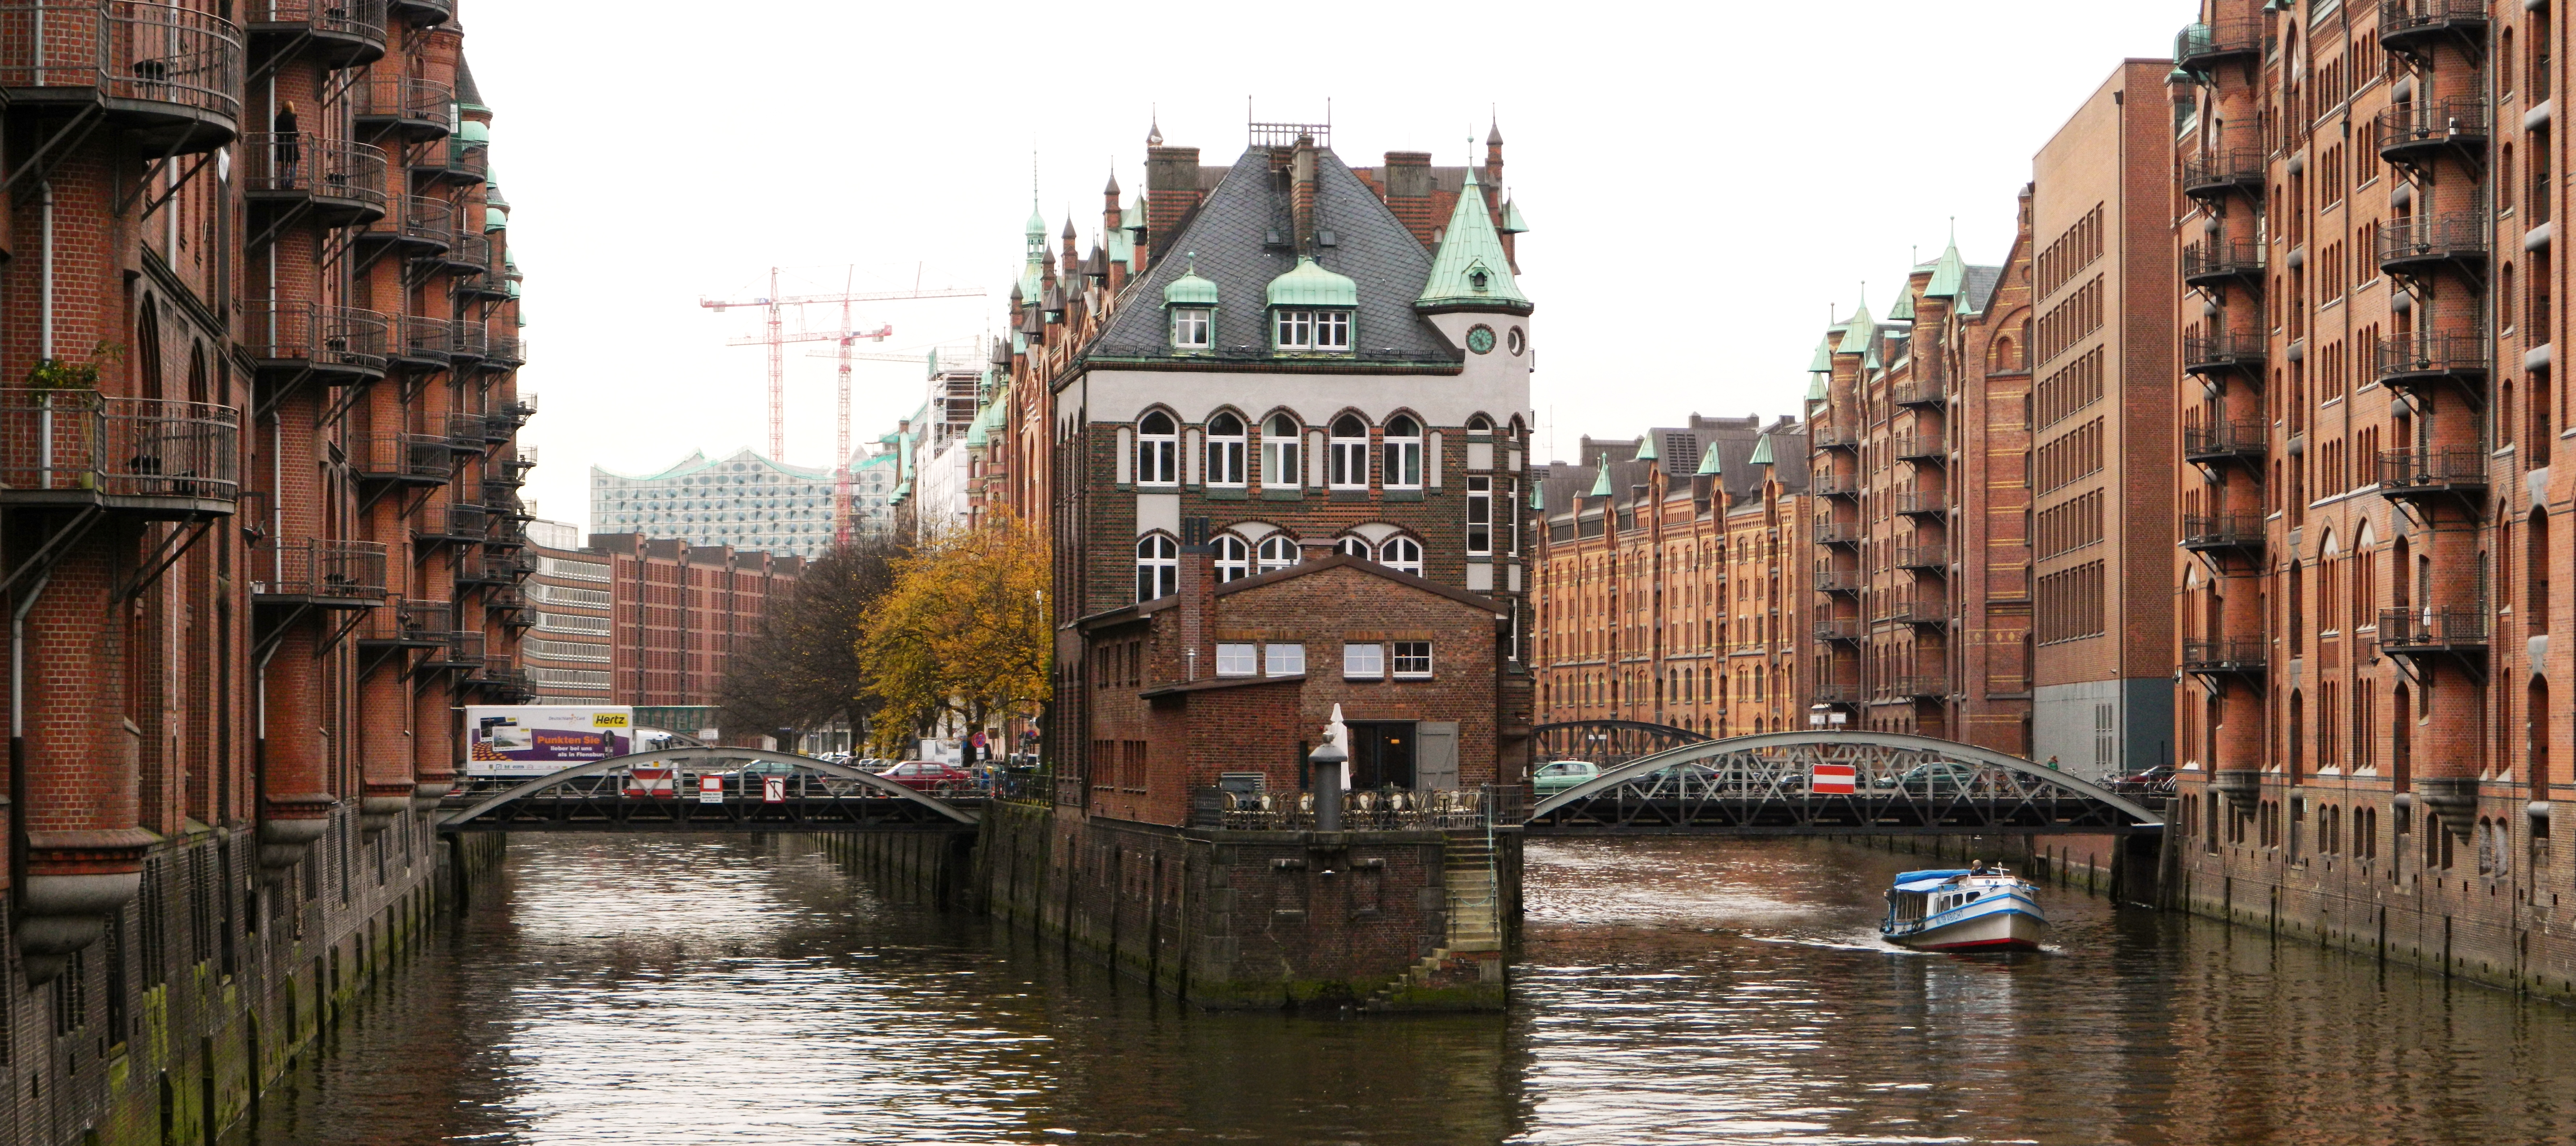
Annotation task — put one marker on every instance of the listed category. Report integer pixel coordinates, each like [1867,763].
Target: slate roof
[1980,287]
[1229,234]
[467,94]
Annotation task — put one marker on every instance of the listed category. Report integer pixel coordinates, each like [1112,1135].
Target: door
[1435,754]
[1382,754]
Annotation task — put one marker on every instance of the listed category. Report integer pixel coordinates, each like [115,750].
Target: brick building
[1672,579]
[1920,425]
[2374,552]
[680,611]
[259,494]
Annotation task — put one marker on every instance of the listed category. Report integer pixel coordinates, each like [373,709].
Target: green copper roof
[1708,460]
[1858,331]
[1762,451]
[1538,495]
[495,219]
[1470,269]
[1601,484]
[1646,449]
[1903,311]
[1824,359]
[1192,290]
[1949,273]
[1513,224]
[1869,359]
[1037,224]
[1309,284]
[473,131]
[1816,387]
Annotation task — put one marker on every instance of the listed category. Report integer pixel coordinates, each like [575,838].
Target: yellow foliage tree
[962,632]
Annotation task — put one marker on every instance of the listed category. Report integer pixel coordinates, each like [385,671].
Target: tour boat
[1959,909]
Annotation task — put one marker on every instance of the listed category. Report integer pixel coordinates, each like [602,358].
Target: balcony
[452,525]
[155,459]
[457,162]
[1923,503]
[487,283]
[507,353]
[2222,262]
[510,606]
[414,110]
[2458,241]
[335,345]
[1921,392]
[416,226]
[2414,134]
[502,679]
[1919,610]
[2451,472]
[426,13]
[2213,443]
[2418,359]
[2235,171]
[1927,558]
[466,342]
[319,573]
[2202,47]
[2224,533]
[1920,686]
[523,457]
[1832,437]
[1834,485]
[402,459]
[2235,656]
[2412,26]
[425,342]
[461,651]
[408,625]
[468,253]
[465,433]
[1920,447]
[509,527]
[1844,630]
[2222,353]
[1843,581]
[493,566]
[167,77]
[1837,692]
[341,33]
[2427,631]
[336,182]
[1837,533]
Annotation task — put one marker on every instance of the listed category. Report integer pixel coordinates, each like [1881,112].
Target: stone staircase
[1475,922]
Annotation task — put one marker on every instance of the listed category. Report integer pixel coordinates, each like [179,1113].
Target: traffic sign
[711,789]
[773,789]
[1832,779]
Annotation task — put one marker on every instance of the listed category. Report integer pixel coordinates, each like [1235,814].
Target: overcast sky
[1701,181]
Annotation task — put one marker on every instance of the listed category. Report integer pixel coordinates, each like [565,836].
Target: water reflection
[742,991]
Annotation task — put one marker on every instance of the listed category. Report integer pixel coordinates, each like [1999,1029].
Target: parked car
[1936,778]
[933,776]
[2154,779]
[1557,776]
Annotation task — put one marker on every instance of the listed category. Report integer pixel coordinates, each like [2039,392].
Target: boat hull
[2006,928]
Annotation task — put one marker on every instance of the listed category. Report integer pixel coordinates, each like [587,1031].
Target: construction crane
[774,336]
[841,469]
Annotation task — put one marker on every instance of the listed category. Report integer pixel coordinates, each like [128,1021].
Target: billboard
[529,740]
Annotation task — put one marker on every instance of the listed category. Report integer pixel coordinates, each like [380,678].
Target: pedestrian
[2052,763]
[290,149]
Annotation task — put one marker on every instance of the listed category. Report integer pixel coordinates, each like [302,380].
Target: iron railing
[2227,439]
[1918,446]
[1838,580]
[314,165]
[127,49]
[2232,654]
[454,523]
[61,440]
[1920,392]
[1834,485]
[325,336]
[2221,530]
[2458,121]
[2213,351]
[1920,686]
[315,567]
[427,221]
[2201,44]
[2221,258]
[403,98]
[408,622]
[2231,167]
[1827,436]
[460,649]
[1371,811]
[2401,18]
[364,19]
[1922,556]
[1916,501]
[508,350]
[1837,533]
[2431,353]
[1839,629]
[427,339]
[2438,467]
[470,162]
[386,457]
[2427,627]
[1919,610]
[2425,238]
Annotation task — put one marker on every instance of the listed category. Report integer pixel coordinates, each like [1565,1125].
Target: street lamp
[1327,761]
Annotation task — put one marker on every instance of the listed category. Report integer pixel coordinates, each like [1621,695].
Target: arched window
[1158,567]
[1402,554]
[1279,452]
[1349,452]
[1158,450]
[1277,552]
[1225,450]
[1233,558]
[1403,453]
[1480,424]
[1353,547]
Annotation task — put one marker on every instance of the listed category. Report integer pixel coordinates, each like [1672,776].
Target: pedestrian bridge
[1835,783]
[752,791]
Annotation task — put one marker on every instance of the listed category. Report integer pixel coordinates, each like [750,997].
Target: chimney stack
[1171,190]
[1197,590]
[1301,194]
[1408,192]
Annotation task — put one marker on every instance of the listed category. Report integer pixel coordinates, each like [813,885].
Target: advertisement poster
[527,741]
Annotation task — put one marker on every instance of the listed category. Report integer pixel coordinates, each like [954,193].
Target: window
[1158,567]
[1479,426]
[1480,516]
[1234,659]
[1225,450]
[1277,552]
[1363,662]
[1348,453]
[1354,547]
[1190,327]
[1233,558]
[1403,453]
[1279,452]
[1293,329]
[1413,659]
[1158,450]
[1283,660]
[1402,554]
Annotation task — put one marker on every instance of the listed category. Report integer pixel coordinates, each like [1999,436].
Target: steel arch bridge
[1607,742]
[1767,785]
[605,796]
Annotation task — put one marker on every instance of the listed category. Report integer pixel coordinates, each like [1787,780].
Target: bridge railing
[1439,809]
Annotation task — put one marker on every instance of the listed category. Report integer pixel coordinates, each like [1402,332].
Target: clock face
[1480,338]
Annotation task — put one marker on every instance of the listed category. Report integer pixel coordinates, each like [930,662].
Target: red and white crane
[775,336]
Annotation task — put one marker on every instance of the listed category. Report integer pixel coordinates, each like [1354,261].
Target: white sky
[1702,180]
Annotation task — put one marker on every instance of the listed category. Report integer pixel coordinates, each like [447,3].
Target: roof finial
[1154,133]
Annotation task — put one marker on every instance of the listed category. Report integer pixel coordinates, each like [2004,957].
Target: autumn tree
[801,669]
[963,632]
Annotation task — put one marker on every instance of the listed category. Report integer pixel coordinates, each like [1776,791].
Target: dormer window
[1479,280]
[1311,329]
[1191,302]
[1192,327]
[1311,309]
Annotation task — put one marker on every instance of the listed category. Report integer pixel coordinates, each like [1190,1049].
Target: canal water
[726,990]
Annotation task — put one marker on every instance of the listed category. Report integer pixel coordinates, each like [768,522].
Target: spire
[1068,225]
[1949,272]
[1470,270]
[1823,362]
[1646,449]
[1154,134]
[1903,311]
[1112,189]
[1860,330]
[1708,461]
[1601,484]
[1762,451]
[1494,134]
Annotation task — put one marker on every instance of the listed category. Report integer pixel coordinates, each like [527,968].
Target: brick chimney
[1197,590]
[1301,194]
[1408,192]
[1171,191]
[1111,218]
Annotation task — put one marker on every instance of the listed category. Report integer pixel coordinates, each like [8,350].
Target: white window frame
[1193,327]
[1480,516]
[1233,558]
[1402,554]
[1333,330]
[1409,660]
[1403,453]
[1356,547]
[1283,659]
[1237,658]
[1349,455]
[1363,660]
[1158,455]
[1158,567]
[1276,552]
[1292,329]
[1225,452]
[1279,441]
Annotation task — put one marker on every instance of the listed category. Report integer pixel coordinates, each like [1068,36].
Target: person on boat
[1976,867]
